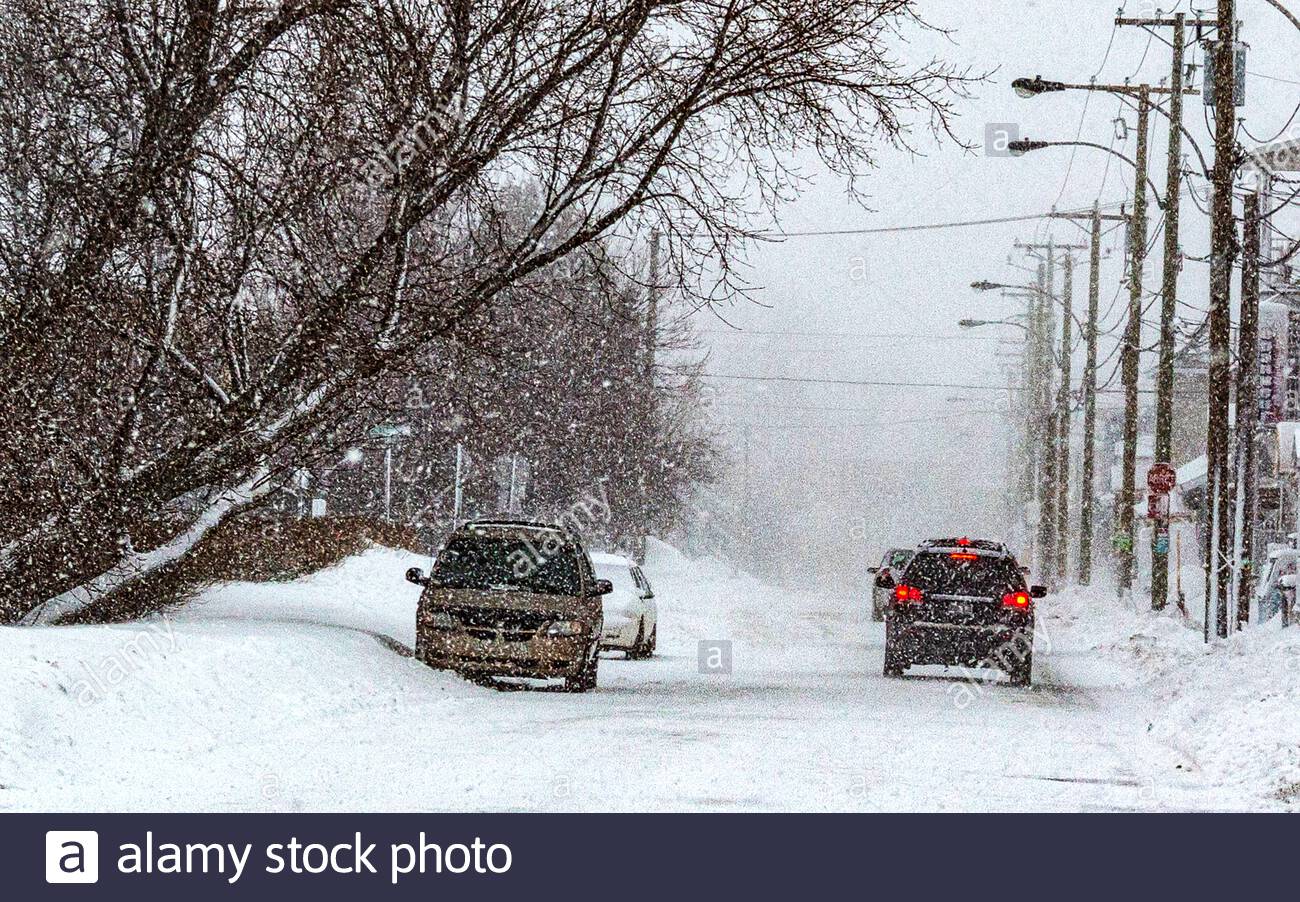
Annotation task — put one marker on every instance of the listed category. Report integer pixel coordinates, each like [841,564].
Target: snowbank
[1232,706]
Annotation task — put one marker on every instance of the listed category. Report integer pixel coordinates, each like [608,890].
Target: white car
[631,617]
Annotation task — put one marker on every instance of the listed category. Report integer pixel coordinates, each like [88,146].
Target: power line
[874,383]
[929,227]
[912,422]
[848,335]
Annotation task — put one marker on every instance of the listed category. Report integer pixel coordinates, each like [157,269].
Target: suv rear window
[898,558]
[486,563]
[942,573]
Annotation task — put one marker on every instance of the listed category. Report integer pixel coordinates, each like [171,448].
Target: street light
[976,323]
[1032,87]
[995,286]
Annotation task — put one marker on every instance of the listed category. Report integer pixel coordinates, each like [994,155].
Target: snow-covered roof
[1192,474]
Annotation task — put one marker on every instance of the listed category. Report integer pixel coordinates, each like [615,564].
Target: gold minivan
[511,599]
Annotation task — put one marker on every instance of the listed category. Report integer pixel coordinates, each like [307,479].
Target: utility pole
[1064,407]
[459,496]
[1052,446]
[652,313]
[1243,587]
[1048,420]
[1090,404]
[1169,288]
[1087,505]
[1222,254]
[651,400]
[1130,364]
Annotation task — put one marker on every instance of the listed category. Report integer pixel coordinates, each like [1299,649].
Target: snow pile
[366,592]
[1232,707]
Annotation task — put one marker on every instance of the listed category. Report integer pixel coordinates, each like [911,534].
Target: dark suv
[962,602]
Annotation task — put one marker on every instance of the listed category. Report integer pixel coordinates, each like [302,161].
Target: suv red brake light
[908,594]
[1019,600]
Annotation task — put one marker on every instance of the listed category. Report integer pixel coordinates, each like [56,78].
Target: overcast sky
[885,307]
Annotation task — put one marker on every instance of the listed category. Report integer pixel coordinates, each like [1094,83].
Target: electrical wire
[869,383]
[1280,133]
[816,233]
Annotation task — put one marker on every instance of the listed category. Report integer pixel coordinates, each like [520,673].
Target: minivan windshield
[483,562]
[944,573]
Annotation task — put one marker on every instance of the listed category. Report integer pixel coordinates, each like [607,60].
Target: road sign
[388,432]
[1162,478]
[1157,507]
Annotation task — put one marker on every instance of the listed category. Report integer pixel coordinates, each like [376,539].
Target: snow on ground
[1232,706]
[296,696]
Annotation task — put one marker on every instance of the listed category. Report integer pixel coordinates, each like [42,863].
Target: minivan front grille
[489,624]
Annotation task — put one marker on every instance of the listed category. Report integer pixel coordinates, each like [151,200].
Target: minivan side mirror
[873,569]
[600,587]
[1037,591]
[416,575]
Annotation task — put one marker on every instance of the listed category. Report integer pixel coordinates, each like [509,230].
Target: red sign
[1162,479]
[1158,507]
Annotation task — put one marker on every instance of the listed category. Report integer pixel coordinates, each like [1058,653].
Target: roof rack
[522,524]
[968,544]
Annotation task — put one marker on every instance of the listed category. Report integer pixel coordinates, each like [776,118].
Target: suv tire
[1022,672]
[585,681]
[895,663]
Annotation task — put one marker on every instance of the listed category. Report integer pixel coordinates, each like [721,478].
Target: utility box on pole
[1239,87]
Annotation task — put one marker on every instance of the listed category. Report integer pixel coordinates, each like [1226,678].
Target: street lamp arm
[1023,147]
[977,323]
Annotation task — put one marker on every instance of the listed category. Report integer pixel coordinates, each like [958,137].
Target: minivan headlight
[441,620]
[566,628]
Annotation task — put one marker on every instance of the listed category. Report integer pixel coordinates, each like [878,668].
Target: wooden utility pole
[1247,482]
[1051,437]
[652,313]
[1130,358]
[1064,408]
[1223,248]
[1089,476]
[1164,450]
[651,425]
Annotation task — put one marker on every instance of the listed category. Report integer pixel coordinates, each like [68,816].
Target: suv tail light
[964,556]
[1018,600]
[908,594]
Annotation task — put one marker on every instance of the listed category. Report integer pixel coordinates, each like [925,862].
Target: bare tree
[221,220]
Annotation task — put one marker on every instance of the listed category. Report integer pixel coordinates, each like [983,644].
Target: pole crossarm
[1165,23]
[1088,217]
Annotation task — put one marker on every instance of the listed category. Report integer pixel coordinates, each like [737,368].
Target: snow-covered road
[296,697]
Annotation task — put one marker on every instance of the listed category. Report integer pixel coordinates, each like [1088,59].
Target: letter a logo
[71,856]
